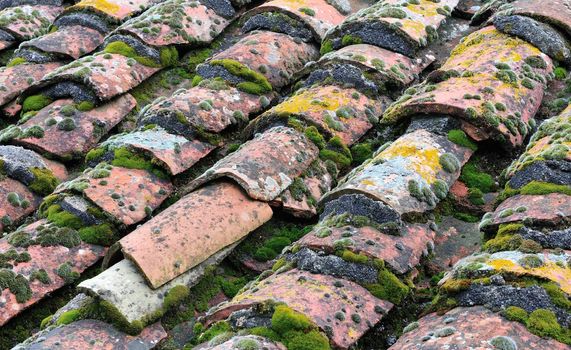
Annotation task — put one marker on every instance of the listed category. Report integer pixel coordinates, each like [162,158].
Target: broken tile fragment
[319,297]
[95,335]
[401,253]
[471,327]
[266,165]
[411,174]
[388,24]
[274,55]
[74,41]
[60,261]
[69,132]
[193,229]
[319,15]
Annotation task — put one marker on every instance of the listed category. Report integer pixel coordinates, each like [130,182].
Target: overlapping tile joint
[145,142]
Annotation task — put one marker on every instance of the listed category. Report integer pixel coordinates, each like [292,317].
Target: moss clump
[16,61]
[17,284]
[460,138]
[62,218]
[348,39]
[40,275]
[544,323]
[121,48]
[337,152]
[514,313]
[361,152]
[102,234]
[541,188]
[307,11]
[44,181]
[315,136]
[472,177]
[530,262]
[66,273]
[449,162]
[389,287]
[66,124]
[95,154]
[175,296]
[296,331]
[560,73]
[476,196]
[84,106]
[215,330]
[196,57]
[503,243]
[123,157]
[169,56]
[68,317]
[35,103]
[326,47]
[255,83]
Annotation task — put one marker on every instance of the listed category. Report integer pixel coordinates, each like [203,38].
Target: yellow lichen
[549,270]
[101,5]
[309,101]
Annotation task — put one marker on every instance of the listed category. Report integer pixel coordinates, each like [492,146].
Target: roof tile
[74,41]
[319,297]
[473,327]
[115,10]
[266,165]
[547,208]
[28,21]
[16,79]
[191,230]
[236,342]
[27,201]
[19,163]
[556,12]
[69,132]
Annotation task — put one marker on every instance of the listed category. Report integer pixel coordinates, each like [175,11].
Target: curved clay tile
[556,13]
[94,335]
[471,327]
[12,208]
[113,9]
[107,75]
[387,24]
[176,22]
[128,195]
[318,15]
[410,175]
[276,56]
[74,41]
[335,111]
[384,65]
[69,132]
[14,80]
[175,153]
[266,165]
[202,107]
[126,289]
[318,297]
[467,8]
[244,340]
[27,22]
[401,253]
[50,266]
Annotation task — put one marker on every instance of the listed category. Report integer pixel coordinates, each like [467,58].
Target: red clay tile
[108,75]
[320,19]
[80,256]
[226,107]
[126,193]
[175,153]
[414,159]
[176,22]
[12,109]
[467,8]
[14,80]
[115,10]
[277,56]
[335,111]
[384,65]
[401,253]
[547,208]
[319,297]
[17,163]
[266,165]
[556,12]
[16,211]
[6,43]
[238,341]
[96,335]
[471,328]
[193,229]
[74,41]
[87,129]
[28,21]
[389,24]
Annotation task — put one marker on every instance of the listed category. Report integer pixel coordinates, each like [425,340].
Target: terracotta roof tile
[385,66]
[555,12]
[238,341]
[16,79]
[74,41]
[335,111]
[319,15]
[95,335]
[401,253]
[107,75]
[399,174]
[547,209]
[27,21]
[473,327]
[318,297]
[387,24]
[55,259]
[276,56]
[175,153]
[176,22]
[175,241]
[266,165]
[69,132]
[27,201]
[115,10]
[128,195]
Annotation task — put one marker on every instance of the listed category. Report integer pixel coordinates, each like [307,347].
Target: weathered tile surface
[191,230]
[547,209]
[74,41]
[115,10]
[474,328]
[266,165]
[16,79]
[28,21]
[16,211]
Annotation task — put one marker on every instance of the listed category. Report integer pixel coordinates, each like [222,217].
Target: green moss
[35,103]
[307,11]
[123,157]
[337,152]
[285,319]
[560,73]
[121,48]
[196,57]
[466,217]
[472,177]
[460,138]
[111,314]
[255,82]
[62,218]
[95,154]
[16,61]
[175,296]
[514,313]
[68,317]
[349,256]
[85,106]
[214,330]
[314,136]
[66,273]
[389,287]
[530,262]
[44,181]
[503,243]
[476,196]
[557,296]
[326,47]
[350,40]
[449,162]
[361,152]
[541,188]
[102,234]
[18,285]
[66,124]
[169,56]
[544,323]
[40,275]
